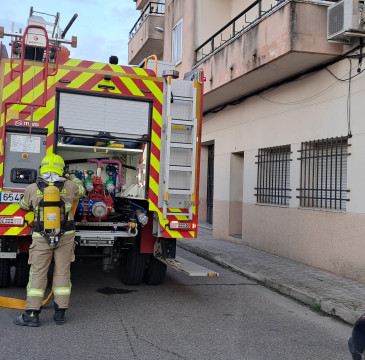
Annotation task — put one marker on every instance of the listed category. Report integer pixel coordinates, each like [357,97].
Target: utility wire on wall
[349,78]
[347,55]
[349,101]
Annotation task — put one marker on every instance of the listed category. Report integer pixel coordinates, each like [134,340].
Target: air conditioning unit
[345,19]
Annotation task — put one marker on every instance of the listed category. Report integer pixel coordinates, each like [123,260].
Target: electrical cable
[285,81]
[350,78]
[298,101]
[319,93]
[349,102]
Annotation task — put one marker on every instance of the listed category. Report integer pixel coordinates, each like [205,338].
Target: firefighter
[51,199]
[357,340]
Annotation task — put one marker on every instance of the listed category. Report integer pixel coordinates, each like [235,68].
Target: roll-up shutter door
[99,113]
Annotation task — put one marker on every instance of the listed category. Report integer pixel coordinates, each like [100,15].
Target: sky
[102,26]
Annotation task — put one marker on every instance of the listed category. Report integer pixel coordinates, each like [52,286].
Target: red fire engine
[133,138]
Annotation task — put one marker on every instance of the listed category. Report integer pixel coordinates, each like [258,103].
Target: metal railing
[241,22]
[152,8]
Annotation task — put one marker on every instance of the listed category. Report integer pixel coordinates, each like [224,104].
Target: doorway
[210,184]
[236,194]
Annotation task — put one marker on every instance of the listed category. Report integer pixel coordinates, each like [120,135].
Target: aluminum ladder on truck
[179,145]
[179,148]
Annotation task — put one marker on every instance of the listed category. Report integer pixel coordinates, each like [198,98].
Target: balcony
[144,39]
[263,45]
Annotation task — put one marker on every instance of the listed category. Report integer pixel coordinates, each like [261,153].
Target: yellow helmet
[52,163]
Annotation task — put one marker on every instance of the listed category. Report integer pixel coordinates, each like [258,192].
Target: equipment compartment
[124,168]
[105,140]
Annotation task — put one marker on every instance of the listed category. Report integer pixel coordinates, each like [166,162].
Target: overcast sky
[102,27]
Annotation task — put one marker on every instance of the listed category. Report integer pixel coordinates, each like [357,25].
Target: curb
[326,306]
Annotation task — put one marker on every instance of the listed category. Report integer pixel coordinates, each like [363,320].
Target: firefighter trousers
[40,257]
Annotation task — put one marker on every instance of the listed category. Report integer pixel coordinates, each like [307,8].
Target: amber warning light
[11,220]
[182,225]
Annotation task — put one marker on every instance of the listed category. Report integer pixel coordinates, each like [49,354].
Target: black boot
[29,318]
[59,315]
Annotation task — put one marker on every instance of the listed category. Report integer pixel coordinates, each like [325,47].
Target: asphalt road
[229,317]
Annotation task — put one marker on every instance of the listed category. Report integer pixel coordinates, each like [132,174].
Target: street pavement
[334,295]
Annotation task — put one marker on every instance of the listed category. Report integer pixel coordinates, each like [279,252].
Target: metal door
[210,189]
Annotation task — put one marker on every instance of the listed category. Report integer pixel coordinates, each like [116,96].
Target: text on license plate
[8,197]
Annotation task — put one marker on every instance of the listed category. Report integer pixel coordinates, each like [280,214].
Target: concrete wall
[211,16]
[327,240]
[312,108]
[237,6]
[174,12]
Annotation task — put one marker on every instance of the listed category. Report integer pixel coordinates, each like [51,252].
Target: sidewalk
[324,291]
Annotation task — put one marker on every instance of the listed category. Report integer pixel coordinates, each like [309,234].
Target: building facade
[283,160]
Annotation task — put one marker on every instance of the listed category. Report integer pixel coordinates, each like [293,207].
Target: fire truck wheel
[132,267]
[4,273]
[21,270]
[155,272]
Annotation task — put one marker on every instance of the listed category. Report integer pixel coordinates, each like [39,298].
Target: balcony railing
[151,8]
[241,23]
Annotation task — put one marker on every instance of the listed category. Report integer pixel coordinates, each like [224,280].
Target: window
[273,175]
[177,42]
[323,174]
[161,7]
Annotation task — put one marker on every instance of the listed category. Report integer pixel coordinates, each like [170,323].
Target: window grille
[273,175]
[323,175]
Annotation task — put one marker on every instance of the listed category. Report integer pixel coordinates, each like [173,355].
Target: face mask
[52,177]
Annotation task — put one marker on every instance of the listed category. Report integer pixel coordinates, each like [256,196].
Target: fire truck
[130,133]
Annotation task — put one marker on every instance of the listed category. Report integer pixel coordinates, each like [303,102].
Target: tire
[132,267]
[155,272]
[4,273]
[21,270]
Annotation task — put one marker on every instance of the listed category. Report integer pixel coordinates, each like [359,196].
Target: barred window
[273,175]
[323,175]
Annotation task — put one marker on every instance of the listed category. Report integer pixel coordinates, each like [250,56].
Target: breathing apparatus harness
[52,228]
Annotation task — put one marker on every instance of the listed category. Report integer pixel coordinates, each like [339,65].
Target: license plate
[8,197]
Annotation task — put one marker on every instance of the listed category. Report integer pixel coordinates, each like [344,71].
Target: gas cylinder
[51,211]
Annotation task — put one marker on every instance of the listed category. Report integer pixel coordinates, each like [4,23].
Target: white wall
[311,108]
[211,16]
